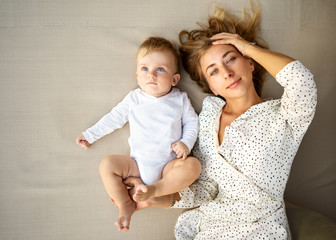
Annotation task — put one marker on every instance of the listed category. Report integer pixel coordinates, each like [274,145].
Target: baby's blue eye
[160,69]
[144,69]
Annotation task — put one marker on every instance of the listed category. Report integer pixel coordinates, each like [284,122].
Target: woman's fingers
[220,35]
[233,39]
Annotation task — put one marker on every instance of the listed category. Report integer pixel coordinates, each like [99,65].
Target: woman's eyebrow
[211,65]
[224,55]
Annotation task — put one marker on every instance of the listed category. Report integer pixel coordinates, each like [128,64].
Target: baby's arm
[189,124]
[81,141]
[181,150]
[107,124]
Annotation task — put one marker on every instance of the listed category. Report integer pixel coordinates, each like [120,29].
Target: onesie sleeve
[189,123]
[298,102]
[110,122]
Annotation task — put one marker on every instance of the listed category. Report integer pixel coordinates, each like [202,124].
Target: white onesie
[155,124]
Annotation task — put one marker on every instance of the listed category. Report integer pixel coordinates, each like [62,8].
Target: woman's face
[227,72]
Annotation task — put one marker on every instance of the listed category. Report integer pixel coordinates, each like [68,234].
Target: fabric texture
[65,63]
[240,190]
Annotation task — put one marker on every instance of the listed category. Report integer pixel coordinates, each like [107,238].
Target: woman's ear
[251,65]
[176,79]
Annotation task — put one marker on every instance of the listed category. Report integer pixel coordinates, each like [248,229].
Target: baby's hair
[160,44]
[196,42]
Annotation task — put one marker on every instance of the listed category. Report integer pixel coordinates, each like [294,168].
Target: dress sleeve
[298,102]
[110,122]
[202,190]
[189,123]
[205,188]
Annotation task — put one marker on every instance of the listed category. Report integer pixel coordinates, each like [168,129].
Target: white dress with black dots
[239,194]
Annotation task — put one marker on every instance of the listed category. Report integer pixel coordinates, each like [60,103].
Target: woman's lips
[234,84]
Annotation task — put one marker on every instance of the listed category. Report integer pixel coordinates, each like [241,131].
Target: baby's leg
[113,169]
[176,175]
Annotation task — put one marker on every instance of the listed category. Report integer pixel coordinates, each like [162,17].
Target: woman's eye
[144,69]
[160,69]
[231,59]
[213,72]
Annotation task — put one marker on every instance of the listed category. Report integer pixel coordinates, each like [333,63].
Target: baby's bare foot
[125,213]
[144,192]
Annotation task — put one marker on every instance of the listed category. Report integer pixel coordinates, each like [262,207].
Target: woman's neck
[240,105]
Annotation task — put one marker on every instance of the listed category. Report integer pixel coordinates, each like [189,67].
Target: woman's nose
[227,72]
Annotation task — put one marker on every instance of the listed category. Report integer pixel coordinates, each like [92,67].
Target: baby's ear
[176,79]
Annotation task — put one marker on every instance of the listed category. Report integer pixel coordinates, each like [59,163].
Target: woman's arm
[298,102]
[299,98]
[273,62]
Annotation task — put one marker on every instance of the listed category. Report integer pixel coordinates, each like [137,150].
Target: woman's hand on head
[81,141]
[233,39]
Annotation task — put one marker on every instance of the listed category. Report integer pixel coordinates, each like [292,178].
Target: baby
[163,129]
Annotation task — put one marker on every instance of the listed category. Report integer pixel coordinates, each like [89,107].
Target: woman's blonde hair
[196,42]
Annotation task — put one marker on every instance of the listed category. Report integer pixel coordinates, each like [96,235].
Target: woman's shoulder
[213,103]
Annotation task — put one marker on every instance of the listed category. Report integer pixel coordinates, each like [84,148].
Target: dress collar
[252,111]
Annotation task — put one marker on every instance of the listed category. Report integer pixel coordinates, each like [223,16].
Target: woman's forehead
[219,49]
[216,53]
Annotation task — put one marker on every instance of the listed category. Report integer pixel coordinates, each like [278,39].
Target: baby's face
[156,72]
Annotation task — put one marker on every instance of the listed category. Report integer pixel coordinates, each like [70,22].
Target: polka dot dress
[239,194]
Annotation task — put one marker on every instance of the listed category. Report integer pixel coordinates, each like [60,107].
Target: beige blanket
[63,64]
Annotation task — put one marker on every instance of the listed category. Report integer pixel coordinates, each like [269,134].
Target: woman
[246,144]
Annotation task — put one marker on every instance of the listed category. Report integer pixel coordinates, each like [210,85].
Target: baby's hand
[81,141]
[180,149]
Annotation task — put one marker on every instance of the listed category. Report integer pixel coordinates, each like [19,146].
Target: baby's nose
[151,75]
